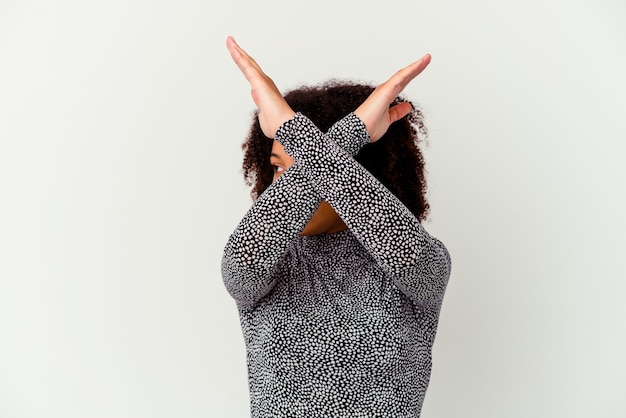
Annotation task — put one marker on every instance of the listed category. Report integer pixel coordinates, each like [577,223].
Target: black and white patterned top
[335,325]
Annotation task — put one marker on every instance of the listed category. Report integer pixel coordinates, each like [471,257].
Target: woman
[337,284]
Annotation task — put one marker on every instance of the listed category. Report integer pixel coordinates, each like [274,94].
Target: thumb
[399,111]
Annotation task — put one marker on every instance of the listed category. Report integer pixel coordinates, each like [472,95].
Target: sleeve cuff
[289,134]
[350,134]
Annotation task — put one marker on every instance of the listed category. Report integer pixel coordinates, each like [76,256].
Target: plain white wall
[120,132]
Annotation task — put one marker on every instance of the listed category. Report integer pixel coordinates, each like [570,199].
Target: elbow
[426,279]
[444,261]
[438,267]
[244,283]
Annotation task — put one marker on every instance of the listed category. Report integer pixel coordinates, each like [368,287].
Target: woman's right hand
[273,109]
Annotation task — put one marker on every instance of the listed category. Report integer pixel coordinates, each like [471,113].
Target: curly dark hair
[395,159]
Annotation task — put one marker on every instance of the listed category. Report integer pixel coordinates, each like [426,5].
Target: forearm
[264,234]
[378,219]
[349,134]
[280,213]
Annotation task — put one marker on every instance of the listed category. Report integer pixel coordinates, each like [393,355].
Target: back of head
[395,159]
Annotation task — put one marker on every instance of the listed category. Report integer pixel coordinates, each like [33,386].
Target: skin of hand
[273,109]
[374,111]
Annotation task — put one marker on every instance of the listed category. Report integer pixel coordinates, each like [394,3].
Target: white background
[120,132]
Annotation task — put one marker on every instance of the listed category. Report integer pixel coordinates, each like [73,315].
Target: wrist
[349,133]
[286,129]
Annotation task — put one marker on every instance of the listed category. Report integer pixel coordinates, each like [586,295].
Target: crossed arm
[324,169]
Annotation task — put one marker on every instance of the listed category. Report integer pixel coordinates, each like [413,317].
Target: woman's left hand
[375,112]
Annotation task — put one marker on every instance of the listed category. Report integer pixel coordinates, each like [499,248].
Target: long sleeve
[276,218]
[418,263]
[264,234]
[334,324]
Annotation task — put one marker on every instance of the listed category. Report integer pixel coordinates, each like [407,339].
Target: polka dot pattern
[338,325]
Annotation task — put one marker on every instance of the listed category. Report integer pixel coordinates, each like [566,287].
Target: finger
[245,62]
[245,55]
[239,56]
[404,76]
[399,111]
[418,66]
[391,88]
[415,68]
[233,48]
[236,55]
